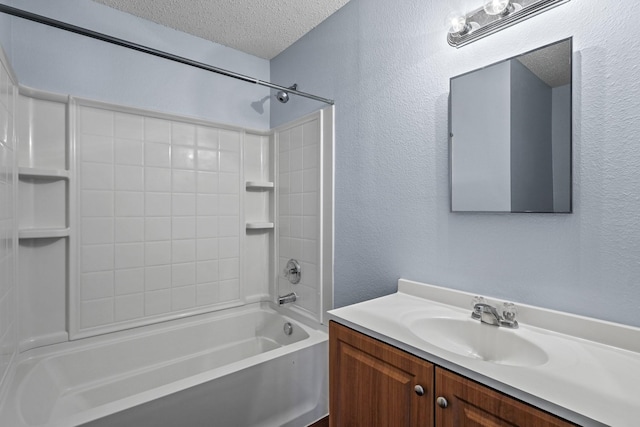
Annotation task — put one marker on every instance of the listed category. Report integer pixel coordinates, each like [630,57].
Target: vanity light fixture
[494,15]
[498,7]
[457,24]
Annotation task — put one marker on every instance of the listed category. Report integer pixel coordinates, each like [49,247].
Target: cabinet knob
[419,390]
[442,402]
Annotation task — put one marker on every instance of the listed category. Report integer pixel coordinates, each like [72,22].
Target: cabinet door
[470,404]
[373,384]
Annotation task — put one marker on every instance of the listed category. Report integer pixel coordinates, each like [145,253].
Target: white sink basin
[471,338]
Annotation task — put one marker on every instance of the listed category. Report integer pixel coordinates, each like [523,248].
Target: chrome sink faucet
[488,314]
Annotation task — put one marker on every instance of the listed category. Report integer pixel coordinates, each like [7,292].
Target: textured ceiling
[263,28]
[552,64]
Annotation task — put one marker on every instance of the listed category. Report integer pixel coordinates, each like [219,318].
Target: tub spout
[288,298]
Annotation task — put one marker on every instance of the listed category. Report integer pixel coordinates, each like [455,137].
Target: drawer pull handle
[419,390]
[442,402]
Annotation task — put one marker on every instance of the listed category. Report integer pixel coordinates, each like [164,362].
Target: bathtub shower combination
[151,251]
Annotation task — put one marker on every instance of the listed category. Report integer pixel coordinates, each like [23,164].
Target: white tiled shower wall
[8,244]
[298,210]
[160,212]
[159,218]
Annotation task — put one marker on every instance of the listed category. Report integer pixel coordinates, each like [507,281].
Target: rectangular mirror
[510,134]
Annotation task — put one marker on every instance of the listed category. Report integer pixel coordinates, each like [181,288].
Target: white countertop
[591,377]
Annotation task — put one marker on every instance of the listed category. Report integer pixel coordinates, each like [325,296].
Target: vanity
[429,356]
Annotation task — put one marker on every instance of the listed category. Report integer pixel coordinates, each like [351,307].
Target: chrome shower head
[283,96]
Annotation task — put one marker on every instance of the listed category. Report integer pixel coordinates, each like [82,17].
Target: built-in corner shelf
[260,225]
[43,233]
[260,185]
[43,173]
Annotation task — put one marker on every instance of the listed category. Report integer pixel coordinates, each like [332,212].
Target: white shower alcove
[167,216]
[130,219]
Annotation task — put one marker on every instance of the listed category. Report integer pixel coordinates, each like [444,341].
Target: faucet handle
[292,271]
[509,311]
[476,306]
[477,300]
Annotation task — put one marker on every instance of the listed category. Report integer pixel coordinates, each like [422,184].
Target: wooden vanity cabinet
[372,384]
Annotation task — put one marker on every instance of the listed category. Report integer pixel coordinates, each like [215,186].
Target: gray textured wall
[388,66]
[5,34]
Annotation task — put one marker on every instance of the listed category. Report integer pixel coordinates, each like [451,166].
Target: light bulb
[457,23]
[497,7]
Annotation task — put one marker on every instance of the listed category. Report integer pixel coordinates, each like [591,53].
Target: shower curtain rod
[140,48]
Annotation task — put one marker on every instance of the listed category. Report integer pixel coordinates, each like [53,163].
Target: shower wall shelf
[260,225]
[43,198]
[45,174]
[43,233]
[258,206]
[46,199]
[260,185]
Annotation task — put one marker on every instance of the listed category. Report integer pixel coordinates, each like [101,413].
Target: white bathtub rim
[165,326]
[11,406]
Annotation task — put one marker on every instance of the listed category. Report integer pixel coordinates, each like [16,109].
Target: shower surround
[135,221]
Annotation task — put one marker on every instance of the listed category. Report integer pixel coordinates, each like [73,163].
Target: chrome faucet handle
[293,271]
[477,300]
[476,305]
[509,313]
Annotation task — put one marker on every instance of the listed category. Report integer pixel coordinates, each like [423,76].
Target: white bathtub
[235,368]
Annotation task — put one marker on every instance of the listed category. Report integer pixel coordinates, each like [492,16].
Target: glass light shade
[456,23]
[497,7]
